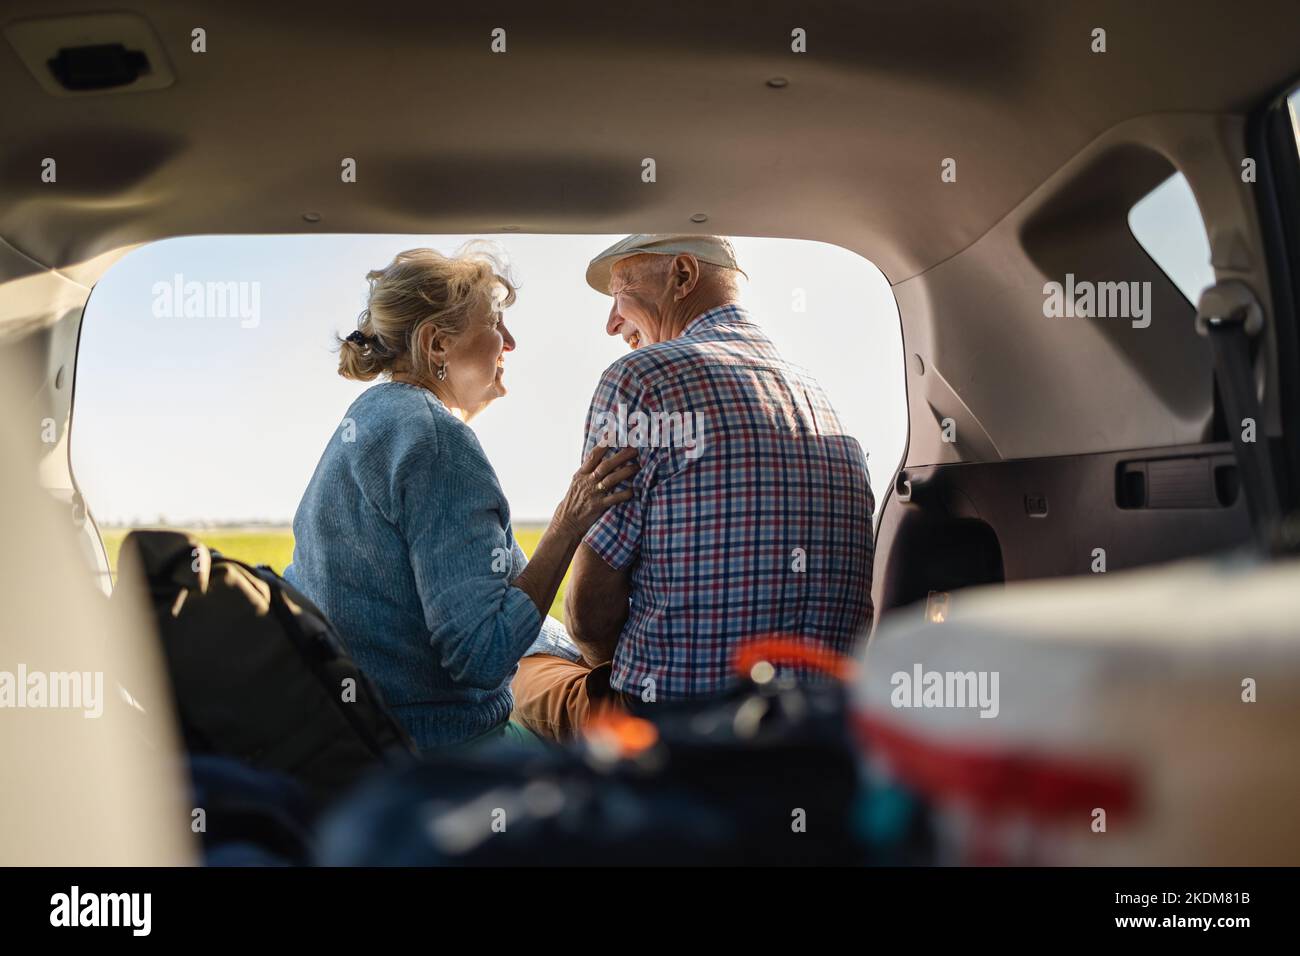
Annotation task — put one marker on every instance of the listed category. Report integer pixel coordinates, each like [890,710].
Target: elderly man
[751,512]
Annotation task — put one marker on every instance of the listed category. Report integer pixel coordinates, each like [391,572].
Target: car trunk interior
[972,153]
[846,144]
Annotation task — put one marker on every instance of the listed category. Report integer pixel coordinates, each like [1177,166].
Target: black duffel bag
[258,672]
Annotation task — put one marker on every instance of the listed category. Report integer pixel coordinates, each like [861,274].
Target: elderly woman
[403,536]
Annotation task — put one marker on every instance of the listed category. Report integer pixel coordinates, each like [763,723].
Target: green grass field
[274,546]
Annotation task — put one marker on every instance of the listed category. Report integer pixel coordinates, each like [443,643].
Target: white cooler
[1121,731]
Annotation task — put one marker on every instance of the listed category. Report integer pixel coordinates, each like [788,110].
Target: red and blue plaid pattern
[763,526]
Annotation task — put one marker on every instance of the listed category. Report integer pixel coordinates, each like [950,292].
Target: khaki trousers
[554,697]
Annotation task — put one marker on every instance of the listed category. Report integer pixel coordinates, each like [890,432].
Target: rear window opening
[206,382]
[1167,223]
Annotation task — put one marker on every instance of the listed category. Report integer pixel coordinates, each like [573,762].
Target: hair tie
[357,338]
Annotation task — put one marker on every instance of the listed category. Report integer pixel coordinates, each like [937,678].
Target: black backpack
[258,672]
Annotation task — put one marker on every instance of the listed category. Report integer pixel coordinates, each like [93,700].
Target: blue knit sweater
[403,539]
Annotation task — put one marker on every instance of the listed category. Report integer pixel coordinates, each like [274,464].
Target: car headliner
[551,135]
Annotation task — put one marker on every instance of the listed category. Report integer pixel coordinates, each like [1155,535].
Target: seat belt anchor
[1227,303]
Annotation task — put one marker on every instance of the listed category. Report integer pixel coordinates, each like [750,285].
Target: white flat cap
[714,249]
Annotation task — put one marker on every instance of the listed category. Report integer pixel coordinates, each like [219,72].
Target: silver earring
[442,372]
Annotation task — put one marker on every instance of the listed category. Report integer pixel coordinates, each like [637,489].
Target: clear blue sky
[200,419]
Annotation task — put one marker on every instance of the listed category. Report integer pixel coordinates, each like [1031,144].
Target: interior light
[936,607]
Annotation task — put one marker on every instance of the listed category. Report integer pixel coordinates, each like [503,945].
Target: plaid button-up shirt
[751,512]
